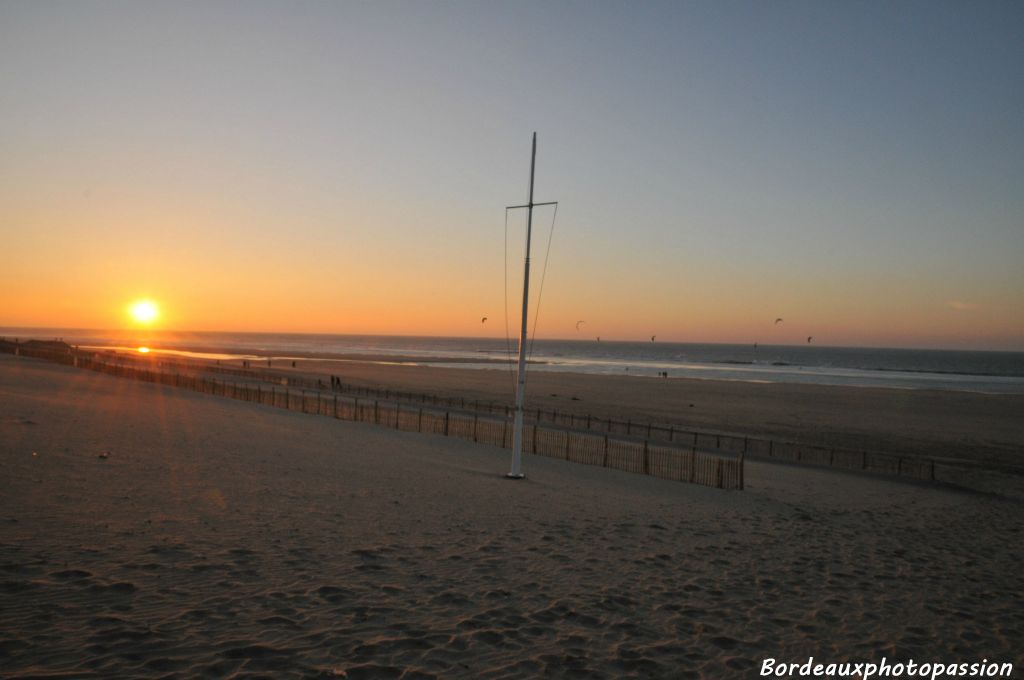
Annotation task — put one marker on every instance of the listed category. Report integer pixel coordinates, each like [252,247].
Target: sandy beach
[155,532]
[936,423]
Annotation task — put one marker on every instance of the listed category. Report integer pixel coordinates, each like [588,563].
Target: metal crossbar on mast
[517,429]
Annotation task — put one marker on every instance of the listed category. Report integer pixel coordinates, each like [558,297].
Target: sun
[144,311]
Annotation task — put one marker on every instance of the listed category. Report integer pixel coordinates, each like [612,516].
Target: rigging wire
[543,275]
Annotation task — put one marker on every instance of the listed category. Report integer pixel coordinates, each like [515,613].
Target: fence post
[355,410]
[566,456]
[629,426]
[604,463]
[647,459]
[446,414]
[771,448]
[672,433]
[535,425]
[398,414]
[335,405]
[718,473]
[743,460]
[376,412]
[288,400]
[476,419]
[419,421]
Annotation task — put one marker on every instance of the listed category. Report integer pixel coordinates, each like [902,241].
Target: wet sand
[217,537]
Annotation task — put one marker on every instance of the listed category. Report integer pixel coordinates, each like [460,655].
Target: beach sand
[943,424]
[218,537]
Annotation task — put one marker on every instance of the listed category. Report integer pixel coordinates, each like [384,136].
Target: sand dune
[219,538]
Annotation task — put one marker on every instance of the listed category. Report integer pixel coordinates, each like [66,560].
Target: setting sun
[144,311]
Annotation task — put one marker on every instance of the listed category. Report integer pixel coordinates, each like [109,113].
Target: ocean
[974,371]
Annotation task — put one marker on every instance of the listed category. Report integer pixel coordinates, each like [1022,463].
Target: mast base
[509,475]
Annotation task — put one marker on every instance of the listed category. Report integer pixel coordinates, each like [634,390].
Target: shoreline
[811,376]
[986,372]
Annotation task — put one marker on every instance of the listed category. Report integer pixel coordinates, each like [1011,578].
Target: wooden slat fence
[366,408]
[587,448]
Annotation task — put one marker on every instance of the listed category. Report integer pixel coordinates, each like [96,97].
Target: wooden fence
[724,444]
[666,461]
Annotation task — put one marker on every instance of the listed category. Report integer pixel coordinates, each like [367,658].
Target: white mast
[517,429]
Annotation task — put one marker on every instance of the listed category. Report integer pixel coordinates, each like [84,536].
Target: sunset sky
[856,168]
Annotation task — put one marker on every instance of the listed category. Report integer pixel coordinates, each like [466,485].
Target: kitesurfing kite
[653,337]
[579,323]
[483,319]
[778,320]
[809,339]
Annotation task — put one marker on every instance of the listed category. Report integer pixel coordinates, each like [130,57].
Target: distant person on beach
[293,364]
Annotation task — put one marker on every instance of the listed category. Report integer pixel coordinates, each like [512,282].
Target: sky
[344,167]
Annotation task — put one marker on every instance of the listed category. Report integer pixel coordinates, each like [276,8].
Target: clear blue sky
[856,168]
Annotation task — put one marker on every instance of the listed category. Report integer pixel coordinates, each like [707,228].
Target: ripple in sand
[18,586]
[334,594]
[117,588]
[371,672]
[69,574]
